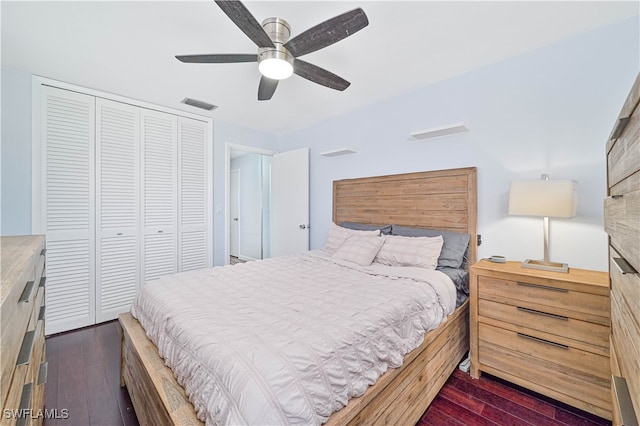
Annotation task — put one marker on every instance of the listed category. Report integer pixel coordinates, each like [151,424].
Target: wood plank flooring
[84,368]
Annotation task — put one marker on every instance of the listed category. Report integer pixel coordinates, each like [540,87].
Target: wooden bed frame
[443,199]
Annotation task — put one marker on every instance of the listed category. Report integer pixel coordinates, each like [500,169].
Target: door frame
[237,195]
[227,187]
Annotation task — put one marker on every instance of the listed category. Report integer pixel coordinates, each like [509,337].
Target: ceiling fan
[277,56]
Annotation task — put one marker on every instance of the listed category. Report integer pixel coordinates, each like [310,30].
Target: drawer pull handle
[25,413]
[43,281]
[546,314]
[621,124]
[623,399]
[544,287]
[617,196]
[41,313]
[547,342]
[623,266]
[43,373]
[24,356]
[27,292]
[43,252]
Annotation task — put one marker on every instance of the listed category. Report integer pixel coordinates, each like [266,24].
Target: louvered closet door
[68,140]
[117,207]
[160,195]
[193,194]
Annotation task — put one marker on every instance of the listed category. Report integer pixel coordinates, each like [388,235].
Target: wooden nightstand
[546,331]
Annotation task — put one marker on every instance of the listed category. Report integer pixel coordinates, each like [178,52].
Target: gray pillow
[454,247]
[384,229]
[460,278]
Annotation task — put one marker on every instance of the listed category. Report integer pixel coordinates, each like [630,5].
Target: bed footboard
[157,397]
[401,395]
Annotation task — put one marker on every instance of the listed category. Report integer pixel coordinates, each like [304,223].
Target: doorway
[247,209]
[280,225]
[250,199]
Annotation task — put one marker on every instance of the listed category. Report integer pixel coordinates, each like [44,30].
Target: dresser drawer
[622,218]
[14,392]
[625,330]
[551,323]
[554,295]
[623,158]
[16,311]
[579,389]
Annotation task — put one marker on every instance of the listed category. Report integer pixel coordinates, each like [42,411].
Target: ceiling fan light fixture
[275,69]
[277,55]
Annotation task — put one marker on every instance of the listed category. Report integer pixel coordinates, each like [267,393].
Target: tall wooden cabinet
[124,197]
[23,365]
[622,223]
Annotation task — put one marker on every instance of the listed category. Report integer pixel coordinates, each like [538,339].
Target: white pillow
[422,252]
[338,235]
[360,249]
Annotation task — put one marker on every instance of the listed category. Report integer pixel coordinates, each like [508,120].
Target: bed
[444,200]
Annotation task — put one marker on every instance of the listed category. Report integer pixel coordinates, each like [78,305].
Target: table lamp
[544,198]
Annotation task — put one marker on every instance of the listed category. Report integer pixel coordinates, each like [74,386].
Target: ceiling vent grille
[199,104]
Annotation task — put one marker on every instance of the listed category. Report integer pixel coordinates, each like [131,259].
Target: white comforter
[288,340]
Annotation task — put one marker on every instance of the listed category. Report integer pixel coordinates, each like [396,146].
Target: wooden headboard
[441,199]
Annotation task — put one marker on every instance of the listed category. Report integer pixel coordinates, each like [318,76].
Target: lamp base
[546,266]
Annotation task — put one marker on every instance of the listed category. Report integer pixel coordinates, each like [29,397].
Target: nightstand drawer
[552,294]
[539,347]
[576,388]
[527,316]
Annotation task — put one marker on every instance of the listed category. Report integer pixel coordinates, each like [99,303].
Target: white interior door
[159,143]
[290,202]
[68,207]
[117,207]
[193,193]
[234,209]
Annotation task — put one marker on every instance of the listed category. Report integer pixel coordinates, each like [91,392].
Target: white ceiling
[128,48]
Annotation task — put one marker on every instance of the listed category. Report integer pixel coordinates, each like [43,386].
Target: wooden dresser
[23,363]
[546,331]
[622,223]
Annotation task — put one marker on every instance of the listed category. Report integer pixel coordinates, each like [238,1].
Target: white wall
[547,111]
[15,151]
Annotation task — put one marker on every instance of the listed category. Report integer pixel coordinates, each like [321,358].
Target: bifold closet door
[67,123]
[117,207]
[160,194]
[193,195]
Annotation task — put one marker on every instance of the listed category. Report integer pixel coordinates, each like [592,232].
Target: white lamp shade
[551,198]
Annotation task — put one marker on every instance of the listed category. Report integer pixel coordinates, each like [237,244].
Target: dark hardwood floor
[84,368]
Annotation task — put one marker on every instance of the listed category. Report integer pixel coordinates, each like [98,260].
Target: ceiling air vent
[199,104]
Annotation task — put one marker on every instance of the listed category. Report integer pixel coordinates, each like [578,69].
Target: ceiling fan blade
[224,58]
[327,33]
[266,88]
[244,20]
[319,75]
